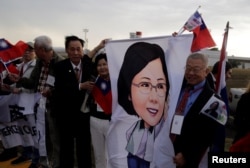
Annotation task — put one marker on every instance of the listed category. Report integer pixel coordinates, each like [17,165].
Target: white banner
[17,121]
[5,101]
[127,145]
[14,106]
[20,132]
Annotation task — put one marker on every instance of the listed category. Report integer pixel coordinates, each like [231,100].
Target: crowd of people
[77,90]
[62,91]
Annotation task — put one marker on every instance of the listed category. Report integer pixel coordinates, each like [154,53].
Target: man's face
[43,53]
[196,71]
[148,101]
[29,54]
[229,74]
[75,51]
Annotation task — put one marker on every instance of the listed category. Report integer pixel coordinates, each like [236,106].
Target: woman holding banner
[100,114]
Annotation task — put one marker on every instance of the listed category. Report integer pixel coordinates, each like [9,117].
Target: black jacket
[197,132]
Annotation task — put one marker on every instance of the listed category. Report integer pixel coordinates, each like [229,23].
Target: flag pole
[220,89]
[198,7]
[222,58]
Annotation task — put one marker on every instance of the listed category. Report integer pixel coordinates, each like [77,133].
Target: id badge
[50,80]
[177,124]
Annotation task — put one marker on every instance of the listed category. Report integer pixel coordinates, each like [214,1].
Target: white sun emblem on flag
[103,86]
[3,44]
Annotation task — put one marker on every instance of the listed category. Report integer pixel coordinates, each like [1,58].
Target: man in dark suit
[72,83]
[196,130]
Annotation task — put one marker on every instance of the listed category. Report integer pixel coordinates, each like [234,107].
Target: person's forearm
[26,83]
[93,52]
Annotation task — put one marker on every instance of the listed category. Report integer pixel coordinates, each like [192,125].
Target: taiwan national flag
[8,68]
[194,21]
[202,38]
[9,54]
[102,94]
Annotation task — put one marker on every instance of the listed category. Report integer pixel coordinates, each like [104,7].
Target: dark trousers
[219,140]
[136,162]
[75,139]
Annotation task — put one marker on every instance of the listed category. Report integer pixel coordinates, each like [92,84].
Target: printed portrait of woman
[143,89]
[212,110]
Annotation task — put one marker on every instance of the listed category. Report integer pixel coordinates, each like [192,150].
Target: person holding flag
[26,115]
[42,81]
[100,113]
[10,55]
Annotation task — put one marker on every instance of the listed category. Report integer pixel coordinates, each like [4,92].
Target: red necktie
[181,107]
[77,73]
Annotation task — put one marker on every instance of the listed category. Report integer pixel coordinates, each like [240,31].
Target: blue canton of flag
[103,85]
[102,94]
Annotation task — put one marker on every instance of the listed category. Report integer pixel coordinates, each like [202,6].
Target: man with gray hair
[192,129]
[42,81]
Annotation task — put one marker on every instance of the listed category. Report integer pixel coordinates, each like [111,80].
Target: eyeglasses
[194,69]
[146,88]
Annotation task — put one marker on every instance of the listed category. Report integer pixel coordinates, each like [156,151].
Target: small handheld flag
[10,53]
[102,94]
[202,37]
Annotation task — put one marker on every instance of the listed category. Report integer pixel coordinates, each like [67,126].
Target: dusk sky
[27,19]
